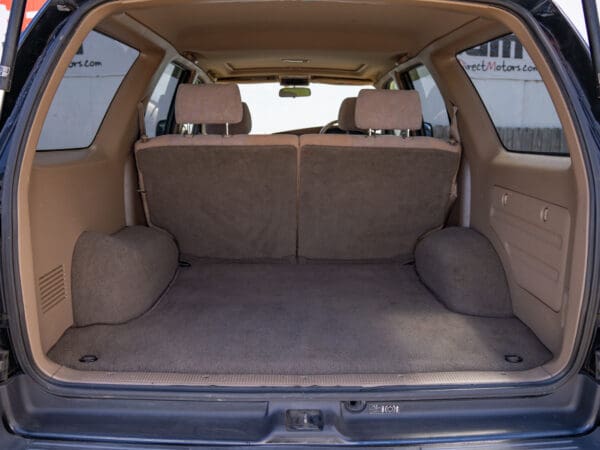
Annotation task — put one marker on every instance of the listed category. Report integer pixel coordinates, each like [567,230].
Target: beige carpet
[228,318]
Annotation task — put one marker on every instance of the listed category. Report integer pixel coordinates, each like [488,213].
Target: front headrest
[378,109]
[243,127]
[346,120]
[208,103]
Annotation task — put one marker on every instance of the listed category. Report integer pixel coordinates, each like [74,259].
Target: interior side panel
[544,296]
[68,200]
[535,235]
[72,191]
[535,252]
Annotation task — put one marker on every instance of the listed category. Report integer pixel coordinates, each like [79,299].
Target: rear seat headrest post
[243,127]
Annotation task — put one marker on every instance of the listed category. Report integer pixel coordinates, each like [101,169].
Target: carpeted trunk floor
[227,318]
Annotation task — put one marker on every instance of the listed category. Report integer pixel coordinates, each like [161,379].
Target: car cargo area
[329,318]
[262,199]
[338,254]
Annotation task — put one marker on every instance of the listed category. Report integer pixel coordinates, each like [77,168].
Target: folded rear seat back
[230,197]
[372,197]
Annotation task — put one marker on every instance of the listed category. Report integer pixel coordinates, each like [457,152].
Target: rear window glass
[85,93]
[515,96]
[272,114]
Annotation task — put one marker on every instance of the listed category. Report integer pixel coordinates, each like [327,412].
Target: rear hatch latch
[304,420]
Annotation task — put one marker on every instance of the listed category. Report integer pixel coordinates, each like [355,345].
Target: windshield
[272,114]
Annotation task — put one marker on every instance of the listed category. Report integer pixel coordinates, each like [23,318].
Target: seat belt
[454,133]
[141,121]
[143,138]
[141,110]
[454,140]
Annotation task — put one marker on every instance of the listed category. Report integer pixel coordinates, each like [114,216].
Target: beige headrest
[208,103]
[346,119]
[379,109]
[243,127]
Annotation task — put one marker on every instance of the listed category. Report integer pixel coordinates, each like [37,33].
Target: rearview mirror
[293,92]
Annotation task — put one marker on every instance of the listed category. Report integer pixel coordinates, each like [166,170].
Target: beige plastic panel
[535,235]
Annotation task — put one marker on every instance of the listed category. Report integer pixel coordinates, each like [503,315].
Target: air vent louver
[52,288]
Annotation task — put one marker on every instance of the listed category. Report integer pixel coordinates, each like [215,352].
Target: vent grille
[52,288]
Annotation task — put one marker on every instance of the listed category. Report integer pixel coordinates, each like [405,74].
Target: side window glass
[85,93]
[435,116]
[159,112]
[515,96]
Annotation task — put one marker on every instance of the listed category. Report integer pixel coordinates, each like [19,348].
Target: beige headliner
[359,42]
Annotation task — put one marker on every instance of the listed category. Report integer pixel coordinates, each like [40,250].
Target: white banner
[100,56]
[503,58]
